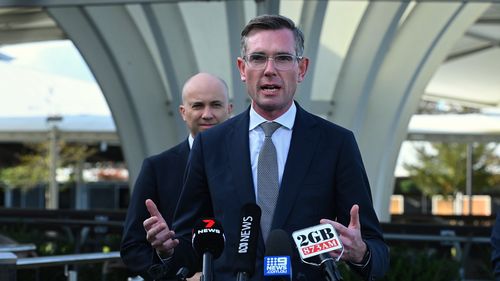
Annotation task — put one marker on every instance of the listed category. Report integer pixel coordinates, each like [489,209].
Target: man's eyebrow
[257,53]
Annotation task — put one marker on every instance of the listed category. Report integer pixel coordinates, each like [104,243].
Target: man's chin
[204,128]
[271,105]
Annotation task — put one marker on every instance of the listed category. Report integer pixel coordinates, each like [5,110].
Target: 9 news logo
[316,240]
[277,265]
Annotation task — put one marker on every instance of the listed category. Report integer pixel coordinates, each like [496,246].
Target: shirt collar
[286,120]
[190,140]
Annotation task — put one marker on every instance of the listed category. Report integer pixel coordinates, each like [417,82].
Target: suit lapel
[239,158]
[184,152]
[302,147]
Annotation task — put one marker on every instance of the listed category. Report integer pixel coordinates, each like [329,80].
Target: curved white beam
[235,21]
[127,74]
[398,70]
[270,7]
[364,59]
[177,57]
[311,23]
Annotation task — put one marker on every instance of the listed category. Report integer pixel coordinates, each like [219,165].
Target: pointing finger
[354,223]
[152,209]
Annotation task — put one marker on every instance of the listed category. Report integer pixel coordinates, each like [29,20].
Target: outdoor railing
[9,263]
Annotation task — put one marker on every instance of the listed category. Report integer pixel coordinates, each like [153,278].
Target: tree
[441,168]
[33,167]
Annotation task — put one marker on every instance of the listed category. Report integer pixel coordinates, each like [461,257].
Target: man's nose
[207,113]
[270,68]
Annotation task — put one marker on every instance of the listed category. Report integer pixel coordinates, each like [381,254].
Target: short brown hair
[272,22]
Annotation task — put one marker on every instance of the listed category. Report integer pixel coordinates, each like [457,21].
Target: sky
[48,78]
[56,57]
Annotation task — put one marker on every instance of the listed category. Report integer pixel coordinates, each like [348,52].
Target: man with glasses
[313,169]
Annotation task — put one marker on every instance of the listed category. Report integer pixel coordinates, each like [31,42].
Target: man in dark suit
[320,173]
[204,104]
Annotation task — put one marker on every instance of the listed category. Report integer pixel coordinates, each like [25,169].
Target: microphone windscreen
[277,259]
[248,239]
[208,236]
[278,244]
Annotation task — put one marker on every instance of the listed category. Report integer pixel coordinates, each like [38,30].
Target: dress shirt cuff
[365,261]
[165,259]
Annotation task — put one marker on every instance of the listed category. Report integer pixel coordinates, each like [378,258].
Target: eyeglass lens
[282,62]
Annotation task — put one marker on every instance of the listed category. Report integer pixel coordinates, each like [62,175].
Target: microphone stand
[206,273]
[330,271]
[242,276]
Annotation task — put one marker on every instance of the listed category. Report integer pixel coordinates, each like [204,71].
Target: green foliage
[72,154]
[442,168]
[408,186]
[413,264]
[34,168]
[408,264]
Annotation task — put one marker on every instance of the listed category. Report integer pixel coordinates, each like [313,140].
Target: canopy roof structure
[100,128]
[455,128]
[372,62]
[468,75]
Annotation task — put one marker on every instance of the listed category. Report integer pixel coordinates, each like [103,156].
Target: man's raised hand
[354,246]
[158,233]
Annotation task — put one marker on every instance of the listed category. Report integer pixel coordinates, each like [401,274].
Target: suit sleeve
[135,250]
[353,188]
[194,204]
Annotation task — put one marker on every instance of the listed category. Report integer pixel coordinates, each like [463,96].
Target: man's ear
[241,67]
[182,111]
[303,66]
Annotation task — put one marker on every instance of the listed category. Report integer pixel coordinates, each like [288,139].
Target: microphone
[208,241]
[244,267]
[318,240]
[329,268]
[277,261]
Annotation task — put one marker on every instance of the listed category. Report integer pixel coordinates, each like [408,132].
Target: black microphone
[277,259]
[329,268]
[244,266]
[208,241]
[317,241]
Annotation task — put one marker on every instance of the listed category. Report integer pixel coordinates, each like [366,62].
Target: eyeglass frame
[268,58]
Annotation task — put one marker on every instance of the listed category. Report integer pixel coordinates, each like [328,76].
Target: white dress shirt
[281,140]
[190,140]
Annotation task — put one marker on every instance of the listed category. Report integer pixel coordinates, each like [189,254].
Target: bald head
[205,102]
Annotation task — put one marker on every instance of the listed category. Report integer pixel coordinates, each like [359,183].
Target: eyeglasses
[281,62]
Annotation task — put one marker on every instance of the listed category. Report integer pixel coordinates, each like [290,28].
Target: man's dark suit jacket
[161,180]
[324,177]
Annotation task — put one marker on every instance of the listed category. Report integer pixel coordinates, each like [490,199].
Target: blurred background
[90,88]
